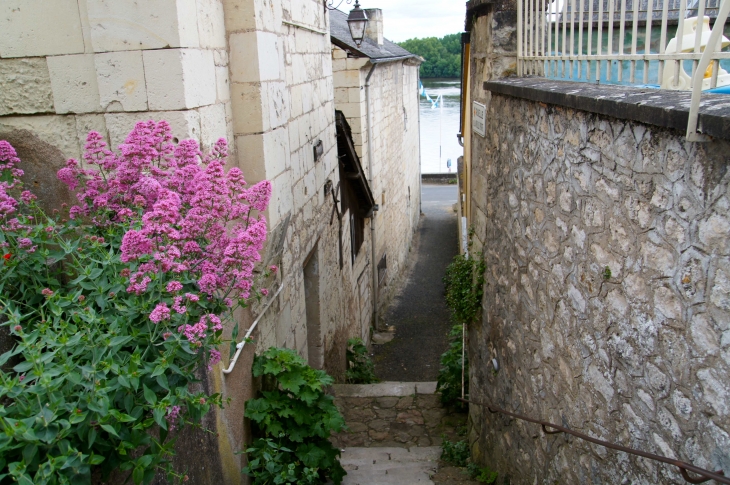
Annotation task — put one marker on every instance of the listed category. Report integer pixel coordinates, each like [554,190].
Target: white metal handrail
[240,345]
[634,42]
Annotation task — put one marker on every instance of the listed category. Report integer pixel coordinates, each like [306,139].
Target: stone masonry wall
[607,295]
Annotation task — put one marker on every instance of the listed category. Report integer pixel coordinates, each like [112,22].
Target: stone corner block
[123,26]
[40,28]
[121,81]
[73,79]
[25,86]
[179,78]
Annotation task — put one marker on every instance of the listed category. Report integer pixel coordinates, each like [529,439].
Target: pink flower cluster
[173,415]
[196,333]
[8,161]
[196,217]
[215,357]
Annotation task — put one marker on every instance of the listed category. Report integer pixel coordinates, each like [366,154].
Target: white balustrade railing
[667,44]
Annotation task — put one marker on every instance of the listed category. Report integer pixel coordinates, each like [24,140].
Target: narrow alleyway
[396,427]
[419,314]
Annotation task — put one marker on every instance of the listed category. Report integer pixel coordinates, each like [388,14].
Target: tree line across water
[442,55]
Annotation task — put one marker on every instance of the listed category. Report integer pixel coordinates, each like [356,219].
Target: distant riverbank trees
[442,55]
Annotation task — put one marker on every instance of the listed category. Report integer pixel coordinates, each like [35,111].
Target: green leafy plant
[116,306]
[293,419]
[449,377]
[482,474]
[463,283]
[360,369]
[456,453]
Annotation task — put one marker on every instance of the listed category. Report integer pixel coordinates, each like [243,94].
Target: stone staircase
[395,432]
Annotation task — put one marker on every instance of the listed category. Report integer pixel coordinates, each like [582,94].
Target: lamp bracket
[330,4]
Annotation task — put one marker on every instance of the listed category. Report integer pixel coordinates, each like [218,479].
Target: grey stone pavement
[419,313]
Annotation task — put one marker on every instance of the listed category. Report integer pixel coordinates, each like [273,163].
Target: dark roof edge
[344,46]
[379,60]
[663,108]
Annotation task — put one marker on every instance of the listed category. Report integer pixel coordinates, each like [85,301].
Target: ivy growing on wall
[464,281]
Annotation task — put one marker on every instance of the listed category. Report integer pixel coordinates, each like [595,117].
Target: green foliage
[91,382]
[271,463]
[456,453]
[464,281]
[443,56]
[294,419]
[360,369]
[449,377]
[482,474]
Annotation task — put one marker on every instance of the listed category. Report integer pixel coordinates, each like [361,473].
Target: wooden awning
[352,169]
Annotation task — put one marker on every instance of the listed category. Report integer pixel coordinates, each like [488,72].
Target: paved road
[419,313]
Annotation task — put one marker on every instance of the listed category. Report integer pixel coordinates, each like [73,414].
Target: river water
[439,126]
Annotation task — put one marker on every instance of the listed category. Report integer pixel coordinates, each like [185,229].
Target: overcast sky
[406,19]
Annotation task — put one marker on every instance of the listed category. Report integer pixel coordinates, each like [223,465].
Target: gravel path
[419,313]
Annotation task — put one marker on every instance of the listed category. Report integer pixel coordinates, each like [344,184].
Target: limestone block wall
[282,92]
[72,66]
[607,295]
[396,150]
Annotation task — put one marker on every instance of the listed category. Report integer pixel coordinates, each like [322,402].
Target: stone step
[390,465]
[393,414]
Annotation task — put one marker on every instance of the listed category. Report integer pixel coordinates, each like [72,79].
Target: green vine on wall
[464,281]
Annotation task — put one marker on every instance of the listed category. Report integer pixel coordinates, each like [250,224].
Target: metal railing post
[699,74]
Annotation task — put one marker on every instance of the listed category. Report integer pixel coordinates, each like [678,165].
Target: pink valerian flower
[8,161]
[27,197]
[215,357]
[47,292]
[196,333]
[178,306]
[174,286]
[24,243]
[161,312]
[264,291]
[195,216]
[173,416]
[192,297]
[273,269]
[8,204]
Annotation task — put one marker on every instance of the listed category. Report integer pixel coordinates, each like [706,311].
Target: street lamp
[357,20]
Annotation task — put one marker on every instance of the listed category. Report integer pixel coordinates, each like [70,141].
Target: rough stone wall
[396,151]
[639,356]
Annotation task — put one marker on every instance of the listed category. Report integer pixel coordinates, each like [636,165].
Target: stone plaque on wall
[479,118]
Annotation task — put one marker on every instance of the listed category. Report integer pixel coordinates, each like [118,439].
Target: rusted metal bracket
[704,475]
[545,430]
[702,479]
